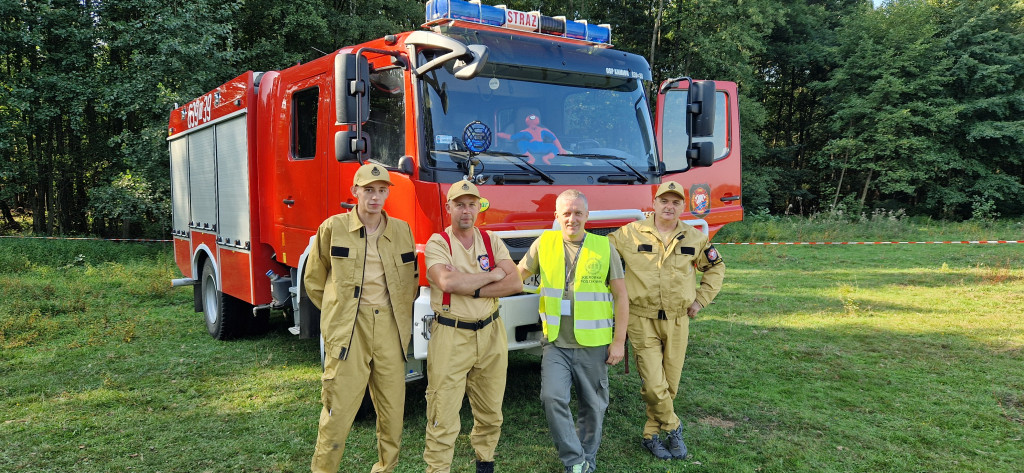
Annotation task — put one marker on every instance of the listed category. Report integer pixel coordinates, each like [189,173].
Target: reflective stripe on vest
[592,300]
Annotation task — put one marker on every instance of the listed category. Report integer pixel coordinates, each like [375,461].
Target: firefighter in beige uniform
[660,254]
[468,352]
[362,274]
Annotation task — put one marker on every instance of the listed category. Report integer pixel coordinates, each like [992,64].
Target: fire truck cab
[524,104]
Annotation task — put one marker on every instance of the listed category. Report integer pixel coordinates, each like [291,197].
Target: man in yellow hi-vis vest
[661,254]
[584,311]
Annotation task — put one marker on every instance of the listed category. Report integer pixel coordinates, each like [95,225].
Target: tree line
[915,105]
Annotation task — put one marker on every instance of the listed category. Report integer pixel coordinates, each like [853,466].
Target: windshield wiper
[521,163]
[611,159]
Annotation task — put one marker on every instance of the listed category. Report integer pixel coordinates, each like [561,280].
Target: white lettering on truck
[521,20]
[199,110]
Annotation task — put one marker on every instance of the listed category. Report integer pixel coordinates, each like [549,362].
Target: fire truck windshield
[557,126]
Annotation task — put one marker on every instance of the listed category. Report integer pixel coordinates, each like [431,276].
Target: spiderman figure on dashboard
[536,140]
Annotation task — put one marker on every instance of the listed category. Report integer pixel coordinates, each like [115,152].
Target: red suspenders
[446,299]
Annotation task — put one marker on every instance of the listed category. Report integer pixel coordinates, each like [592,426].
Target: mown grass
[879,225]
[813,359]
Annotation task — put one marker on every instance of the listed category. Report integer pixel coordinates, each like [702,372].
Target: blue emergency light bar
[503,17]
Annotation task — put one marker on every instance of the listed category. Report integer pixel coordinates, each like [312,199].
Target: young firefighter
[584,312]
[468,271]
[660,254]
[362,274]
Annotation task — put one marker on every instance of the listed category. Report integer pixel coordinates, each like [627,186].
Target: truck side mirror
[469,59]
[466,70]
[350,145]
[701,108]
[701,154]
[351,82]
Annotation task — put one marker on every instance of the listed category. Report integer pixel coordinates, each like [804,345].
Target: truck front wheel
[221,311]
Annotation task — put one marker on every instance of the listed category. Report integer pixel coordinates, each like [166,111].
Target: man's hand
[616,351]
[694,308]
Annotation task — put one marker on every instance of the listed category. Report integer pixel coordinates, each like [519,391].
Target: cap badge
[375,171]
[465,186]
[671,185]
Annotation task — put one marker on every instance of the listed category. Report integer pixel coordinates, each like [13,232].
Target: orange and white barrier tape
[948,242]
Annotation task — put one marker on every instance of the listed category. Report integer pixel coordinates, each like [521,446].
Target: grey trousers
[585,369]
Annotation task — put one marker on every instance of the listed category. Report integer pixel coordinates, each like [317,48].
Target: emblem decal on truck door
[700,200]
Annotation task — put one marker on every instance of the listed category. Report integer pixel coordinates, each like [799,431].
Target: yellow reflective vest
[592,300]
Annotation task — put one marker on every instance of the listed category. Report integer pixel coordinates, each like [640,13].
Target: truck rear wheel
[223,314]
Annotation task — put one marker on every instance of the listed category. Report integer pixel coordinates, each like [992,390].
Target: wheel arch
[199,258]
[307,315]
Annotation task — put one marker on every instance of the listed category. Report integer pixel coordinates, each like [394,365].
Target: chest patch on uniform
[408,257]
[687,250]
[645,249]
[485,262]
[339,251]
[713,256]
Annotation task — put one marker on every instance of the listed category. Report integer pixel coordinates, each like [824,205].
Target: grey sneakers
[676,446]
[582,467]
[656,448]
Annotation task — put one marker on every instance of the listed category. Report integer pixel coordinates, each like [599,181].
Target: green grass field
[899,358]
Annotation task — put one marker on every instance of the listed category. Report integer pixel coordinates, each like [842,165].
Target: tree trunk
[864,193]
[657,30]
[839,186]
[6,211]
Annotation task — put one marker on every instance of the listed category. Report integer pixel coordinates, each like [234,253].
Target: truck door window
[674,136]
[386,126]
[305,105]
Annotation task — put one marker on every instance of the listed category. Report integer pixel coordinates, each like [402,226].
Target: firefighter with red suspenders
[468,270]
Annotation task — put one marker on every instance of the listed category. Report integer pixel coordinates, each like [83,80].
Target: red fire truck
[524,104]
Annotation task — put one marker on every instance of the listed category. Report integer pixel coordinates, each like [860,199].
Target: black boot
[484,467]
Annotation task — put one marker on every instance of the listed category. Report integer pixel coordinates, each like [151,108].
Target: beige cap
[370,172]
[462,188]
[671,186]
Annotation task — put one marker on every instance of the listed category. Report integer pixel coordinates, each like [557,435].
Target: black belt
[479,324]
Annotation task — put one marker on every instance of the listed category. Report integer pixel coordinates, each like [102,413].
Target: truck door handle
[288,201]
[731,198]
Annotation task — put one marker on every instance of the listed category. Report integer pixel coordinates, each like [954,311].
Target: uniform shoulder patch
[713,256]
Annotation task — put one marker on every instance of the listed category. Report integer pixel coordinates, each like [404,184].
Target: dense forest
[916,105]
